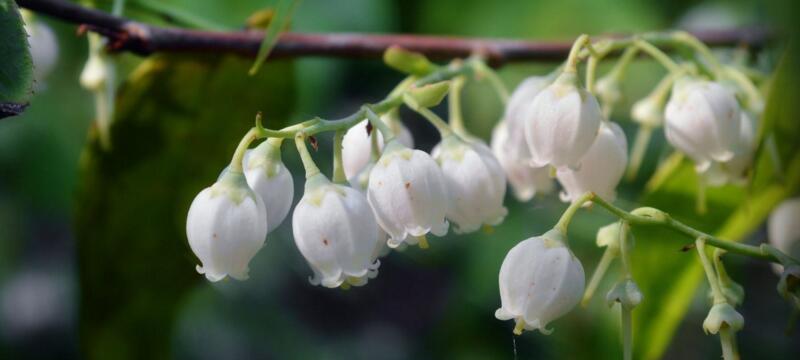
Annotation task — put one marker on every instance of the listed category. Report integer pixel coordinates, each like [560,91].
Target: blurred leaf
[16,66]
[279,22]
[178,121]
[668,277]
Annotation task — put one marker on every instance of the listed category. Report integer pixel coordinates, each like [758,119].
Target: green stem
[566,217]
[118,7]
[751,92]
[618,72]
[591,69]
[711,275]
[728,340]
[602,267]
[574,52]
[658,55]
[638,151]
[338,165]
[627,332]
[456,118]
[376,121]
[690,40]
[244,144]
[441,125]
[625,254]
[308,162]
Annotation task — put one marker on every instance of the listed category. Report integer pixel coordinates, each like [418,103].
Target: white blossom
[601,168]
[783,227]
[735,170]
[562,123]
[356,144]
[270,179]
[226,227]
[540,280]
[702,120]
[476,183]
[360,182]
[408,195]
[515,116]
[334,228]
[525,179]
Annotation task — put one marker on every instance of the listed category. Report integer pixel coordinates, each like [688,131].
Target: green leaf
[668,277]
[177,124]
[16,66]
[278,24]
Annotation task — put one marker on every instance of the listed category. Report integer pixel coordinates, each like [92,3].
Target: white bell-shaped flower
[601,168]
[735,170]
[515,115]
[476,183]
[783,227]
[99,71]
[360,182]
[562,123]
[334,229]
[540,280]
[702,120]
[408,195]
[356,144]
[226,227]
[270,179]
[525,179]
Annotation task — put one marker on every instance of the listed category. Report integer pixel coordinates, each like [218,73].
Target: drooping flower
[226,227]
[702,120]
[562,123]
[99,72]
[525,179]
[408,195]
[334,228]
[601,168]
[270,179]
[356,144]
[735,170]
[516,114]
[476,183]
[783,228]
[540,280]
[360,182]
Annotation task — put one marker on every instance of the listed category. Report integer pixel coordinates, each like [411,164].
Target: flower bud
[561,123]
[476,182]
[648,111]
[525,180]
[783,229]
[626,293]
[270,179]
[789,284]
[428,95]
[540,280]
[95,74]
[601,168]
[335,230]
[608,236]
[722,315]
[357,144]
[226,227]
[651,213]
[608,90]
[406,61]
[408,195]
[703,121]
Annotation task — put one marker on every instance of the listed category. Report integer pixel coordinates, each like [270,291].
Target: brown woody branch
[144,39]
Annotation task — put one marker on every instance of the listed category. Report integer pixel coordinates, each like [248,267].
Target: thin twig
[144,39]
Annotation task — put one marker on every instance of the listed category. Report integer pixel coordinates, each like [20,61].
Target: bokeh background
[93,256]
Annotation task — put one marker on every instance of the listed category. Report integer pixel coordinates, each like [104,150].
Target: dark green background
[94,261]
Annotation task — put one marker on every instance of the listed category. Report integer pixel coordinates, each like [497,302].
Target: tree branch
[144,39]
